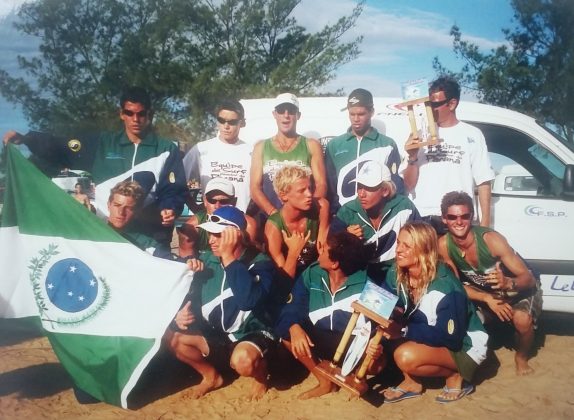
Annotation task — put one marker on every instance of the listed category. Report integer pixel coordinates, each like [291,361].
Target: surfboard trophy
[376,304]
[412,92]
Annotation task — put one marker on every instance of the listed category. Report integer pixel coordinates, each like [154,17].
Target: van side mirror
[568,183]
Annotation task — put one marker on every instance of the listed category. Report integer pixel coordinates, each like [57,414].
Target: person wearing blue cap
[224,319]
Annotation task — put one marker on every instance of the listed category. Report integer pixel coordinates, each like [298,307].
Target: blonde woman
[293,233]
[442,335]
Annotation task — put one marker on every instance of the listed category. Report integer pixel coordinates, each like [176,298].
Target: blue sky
[401,37]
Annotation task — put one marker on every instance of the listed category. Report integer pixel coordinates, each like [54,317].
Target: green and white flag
[103,302]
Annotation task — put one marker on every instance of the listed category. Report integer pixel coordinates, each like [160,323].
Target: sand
[33,385]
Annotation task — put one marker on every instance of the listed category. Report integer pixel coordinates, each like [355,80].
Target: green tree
[189,54]
[534,71]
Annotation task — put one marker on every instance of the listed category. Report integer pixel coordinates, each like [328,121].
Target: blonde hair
[128,189]
[287,176]
[425,247]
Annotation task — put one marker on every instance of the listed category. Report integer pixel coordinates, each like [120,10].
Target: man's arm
[484,196]
[191,162]
[171,186]
[256,180]
[411,173]
[499,247]
[317,168]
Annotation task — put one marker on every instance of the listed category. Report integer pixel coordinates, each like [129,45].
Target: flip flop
[466,389]
[404,394]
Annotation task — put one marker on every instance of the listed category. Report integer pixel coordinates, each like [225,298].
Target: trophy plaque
[431,136]
[376,304]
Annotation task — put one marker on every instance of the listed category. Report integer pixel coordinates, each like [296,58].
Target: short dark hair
[231,105]
[456,198]
[347,249]
[448,85]
[137,95]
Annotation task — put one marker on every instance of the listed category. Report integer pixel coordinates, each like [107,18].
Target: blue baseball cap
[224,217]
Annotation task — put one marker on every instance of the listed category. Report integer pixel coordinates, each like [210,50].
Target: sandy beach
[33,385]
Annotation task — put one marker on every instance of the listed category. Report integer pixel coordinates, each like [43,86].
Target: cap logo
[172,178]
[354,100]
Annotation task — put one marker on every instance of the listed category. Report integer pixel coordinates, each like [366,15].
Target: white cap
[286,98]
[220,184]
[373,173]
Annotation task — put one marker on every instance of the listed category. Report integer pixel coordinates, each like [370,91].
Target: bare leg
[248,361]
[325,386]
[524,340]
[190,349]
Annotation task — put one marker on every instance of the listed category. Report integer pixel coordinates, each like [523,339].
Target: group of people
[288,235]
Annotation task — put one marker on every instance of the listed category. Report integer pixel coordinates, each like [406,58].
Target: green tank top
[274,160]
[309,253]
[486,262]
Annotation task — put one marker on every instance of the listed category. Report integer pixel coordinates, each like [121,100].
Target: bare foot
[522,366]
[206,385]
[321,389]
[258,390]
[405,387]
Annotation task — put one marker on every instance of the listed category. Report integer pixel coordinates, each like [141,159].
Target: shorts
[531,304]
[464,364]
[221,347]
[325,341]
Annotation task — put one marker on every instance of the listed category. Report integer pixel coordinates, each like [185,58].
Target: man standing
[458,163]
[136,152]
[224,156]
[346,153]
[286,147]
[375,216]
[495,277]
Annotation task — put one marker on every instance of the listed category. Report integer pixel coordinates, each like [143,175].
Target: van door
[528,210]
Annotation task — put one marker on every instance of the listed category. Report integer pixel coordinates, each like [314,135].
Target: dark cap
[360,97]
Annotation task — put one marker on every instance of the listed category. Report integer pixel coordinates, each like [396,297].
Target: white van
[533,192]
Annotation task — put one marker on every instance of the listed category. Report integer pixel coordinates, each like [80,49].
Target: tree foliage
[188,53]
[534,72]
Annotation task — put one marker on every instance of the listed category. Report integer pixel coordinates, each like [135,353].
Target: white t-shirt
[215,158]
[457,164]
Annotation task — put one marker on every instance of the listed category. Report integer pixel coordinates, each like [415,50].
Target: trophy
[376,304]
[412,93]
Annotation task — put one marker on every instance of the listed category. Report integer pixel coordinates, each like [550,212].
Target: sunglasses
[140,114]
[222,201]
[291,109]
[223,121]
[221,221]
[438,104]
[465,216]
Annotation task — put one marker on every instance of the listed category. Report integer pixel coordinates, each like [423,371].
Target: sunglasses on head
[221,221]
[465,216]
[128,113]
[222,201]
[438,104]
[291,109]
[223,121]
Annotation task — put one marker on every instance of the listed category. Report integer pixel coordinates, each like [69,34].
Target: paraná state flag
[103,302]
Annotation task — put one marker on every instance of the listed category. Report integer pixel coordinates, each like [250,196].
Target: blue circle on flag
[71,285]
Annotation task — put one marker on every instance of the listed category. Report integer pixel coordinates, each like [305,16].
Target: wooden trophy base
[420,144]
[351,383]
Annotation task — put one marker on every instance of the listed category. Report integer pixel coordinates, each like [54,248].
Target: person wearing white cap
[286,147]
[376,215]
[218,192]
[224,316]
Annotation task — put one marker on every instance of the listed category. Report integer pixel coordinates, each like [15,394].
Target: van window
[522,166]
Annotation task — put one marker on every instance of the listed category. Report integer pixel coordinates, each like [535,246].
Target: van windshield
[558,133]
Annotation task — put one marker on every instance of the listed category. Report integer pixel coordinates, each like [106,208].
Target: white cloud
[8,6]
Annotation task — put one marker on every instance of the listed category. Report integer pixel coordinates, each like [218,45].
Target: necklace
[285,147]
